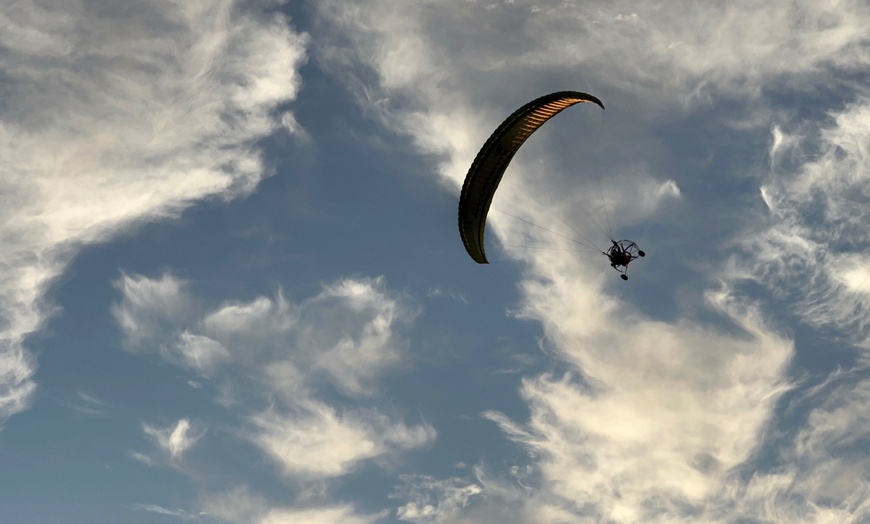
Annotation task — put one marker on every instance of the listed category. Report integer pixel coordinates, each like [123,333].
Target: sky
[233,289]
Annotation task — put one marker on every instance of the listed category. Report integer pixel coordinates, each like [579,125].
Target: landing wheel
[641,253]
[623,277]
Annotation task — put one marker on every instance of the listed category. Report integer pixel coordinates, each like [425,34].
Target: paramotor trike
[621,253]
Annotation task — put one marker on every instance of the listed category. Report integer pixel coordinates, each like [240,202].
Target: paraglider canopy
[494,157]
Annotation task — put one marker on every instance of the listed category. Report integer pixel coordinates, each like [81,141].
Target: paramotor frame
[621,253]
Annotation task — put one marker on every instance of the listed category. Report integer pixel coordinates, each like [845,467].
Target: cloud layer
[115,115]
[297,376]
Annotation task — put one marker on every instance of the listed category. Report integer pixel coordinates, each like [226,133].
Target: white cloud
[823,474]
[115,115]
[482,499]
[201,353]
[270,334]
[245,319]
[821,479]
[662,412]
[437,292]
[16,386]
[288,355]
[678,53]
[780,144]
[832,443]
[143,458]
[433,500]
[366,345]
[326,515]
[160,510]
[812,250]
[150,307]
[288,120]
[176,440]
[242,507]
[87,405]
[318,441]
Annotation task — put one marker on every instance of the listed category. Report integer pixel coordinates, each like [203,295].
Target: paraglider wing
[492,161]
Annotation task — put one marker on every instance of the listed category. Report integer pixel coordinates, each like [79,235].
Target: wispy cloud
[116,116]
[143,458]
[272,335]
[160,510]
[822,477]
[320,442]
[240,505]
[812,249]
[437,292]
[292,357]
[150,307]
[175,440]
[87,405]
[433,500]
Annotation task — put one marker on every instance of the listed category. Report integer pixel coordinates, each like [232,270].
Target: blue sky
[233,289]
